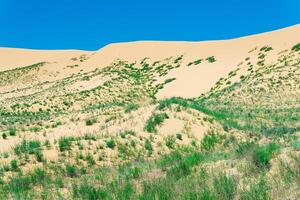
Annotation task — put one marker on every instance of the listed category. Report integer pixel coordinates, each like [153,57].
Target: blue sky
[91,24]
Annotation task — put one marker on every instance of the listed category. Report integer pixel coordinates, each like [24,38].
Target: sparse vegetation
[103,134]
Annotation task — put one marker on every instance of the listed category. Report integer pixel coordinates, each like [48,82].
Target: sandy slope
[190,81]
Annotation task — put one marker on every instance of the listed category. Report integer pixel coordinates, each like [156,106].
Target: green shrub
[257,191]
[243,147]
[39,155]
[90,121]
[211,59]
[71,170]
[180,170]
[14,165]
[155,120]
[225,186]
[65,143]
[4,136]
[263,154]
[148,146]
[296,47]
[12,131]
[131,107]
[90,159]
[170,141]
[33,146]
[209,141]
[127,132]
[111,143]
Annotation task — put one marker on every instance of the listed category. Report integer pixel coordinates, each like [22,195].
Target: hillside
[153,120]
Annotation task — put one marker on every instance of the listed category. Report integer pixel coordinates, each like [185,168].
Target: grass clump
[65,143]
[211,59]
[209,141]
[90,121]
[131,107]
[154,121]
[296,47]
[111,144]
[263,154]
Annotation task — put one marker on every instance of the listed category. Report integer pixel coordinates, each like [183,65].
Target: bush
[90,159]
[296,47]
[71,170]
[148,146]
[14,165]
[111,143]
[65,143]
[90,121]
[225,186]
[12,131]
[155,120]
[33,146]
[209,141]
[257,191]
[39,155]
[263,154]
[180,170]
[170,141]
[131,107]
[243,147]
[4,136]
[211,59]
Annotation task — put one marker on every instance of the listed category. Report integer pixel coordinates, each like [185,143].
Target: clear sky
[91,24]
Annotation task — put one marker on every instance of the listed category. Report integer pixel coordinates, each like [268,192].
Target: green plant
[148,146]
[14,165]
[131,107]
[71,170]
[12,131]
[90,159]
[209,141]
[225,186]
[111,143]
[39,155]
[263,154]
[4,136]
[154,121]
[170,141]
[90,121]
[65,143]
[296,47]
[211,59]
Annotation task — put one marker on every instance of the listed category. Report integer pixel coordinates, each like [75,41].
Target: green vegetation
[154,121]
[263,154]
[296,47]
[238,141]
[111,143]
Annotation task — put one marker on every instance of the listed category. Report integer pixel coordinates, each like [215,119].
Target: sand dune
[190,82]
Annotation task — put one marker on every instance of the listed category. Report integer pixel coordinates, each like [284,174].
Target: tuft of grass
[131,107]
[296,47]
[154,121]
[225,186]
[209,141]
[65,143]
[263,154]
[90,121]
[111,143]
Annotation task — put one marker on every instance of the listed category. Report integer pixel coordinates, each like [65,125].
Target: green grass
[154,121]
[263,154]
